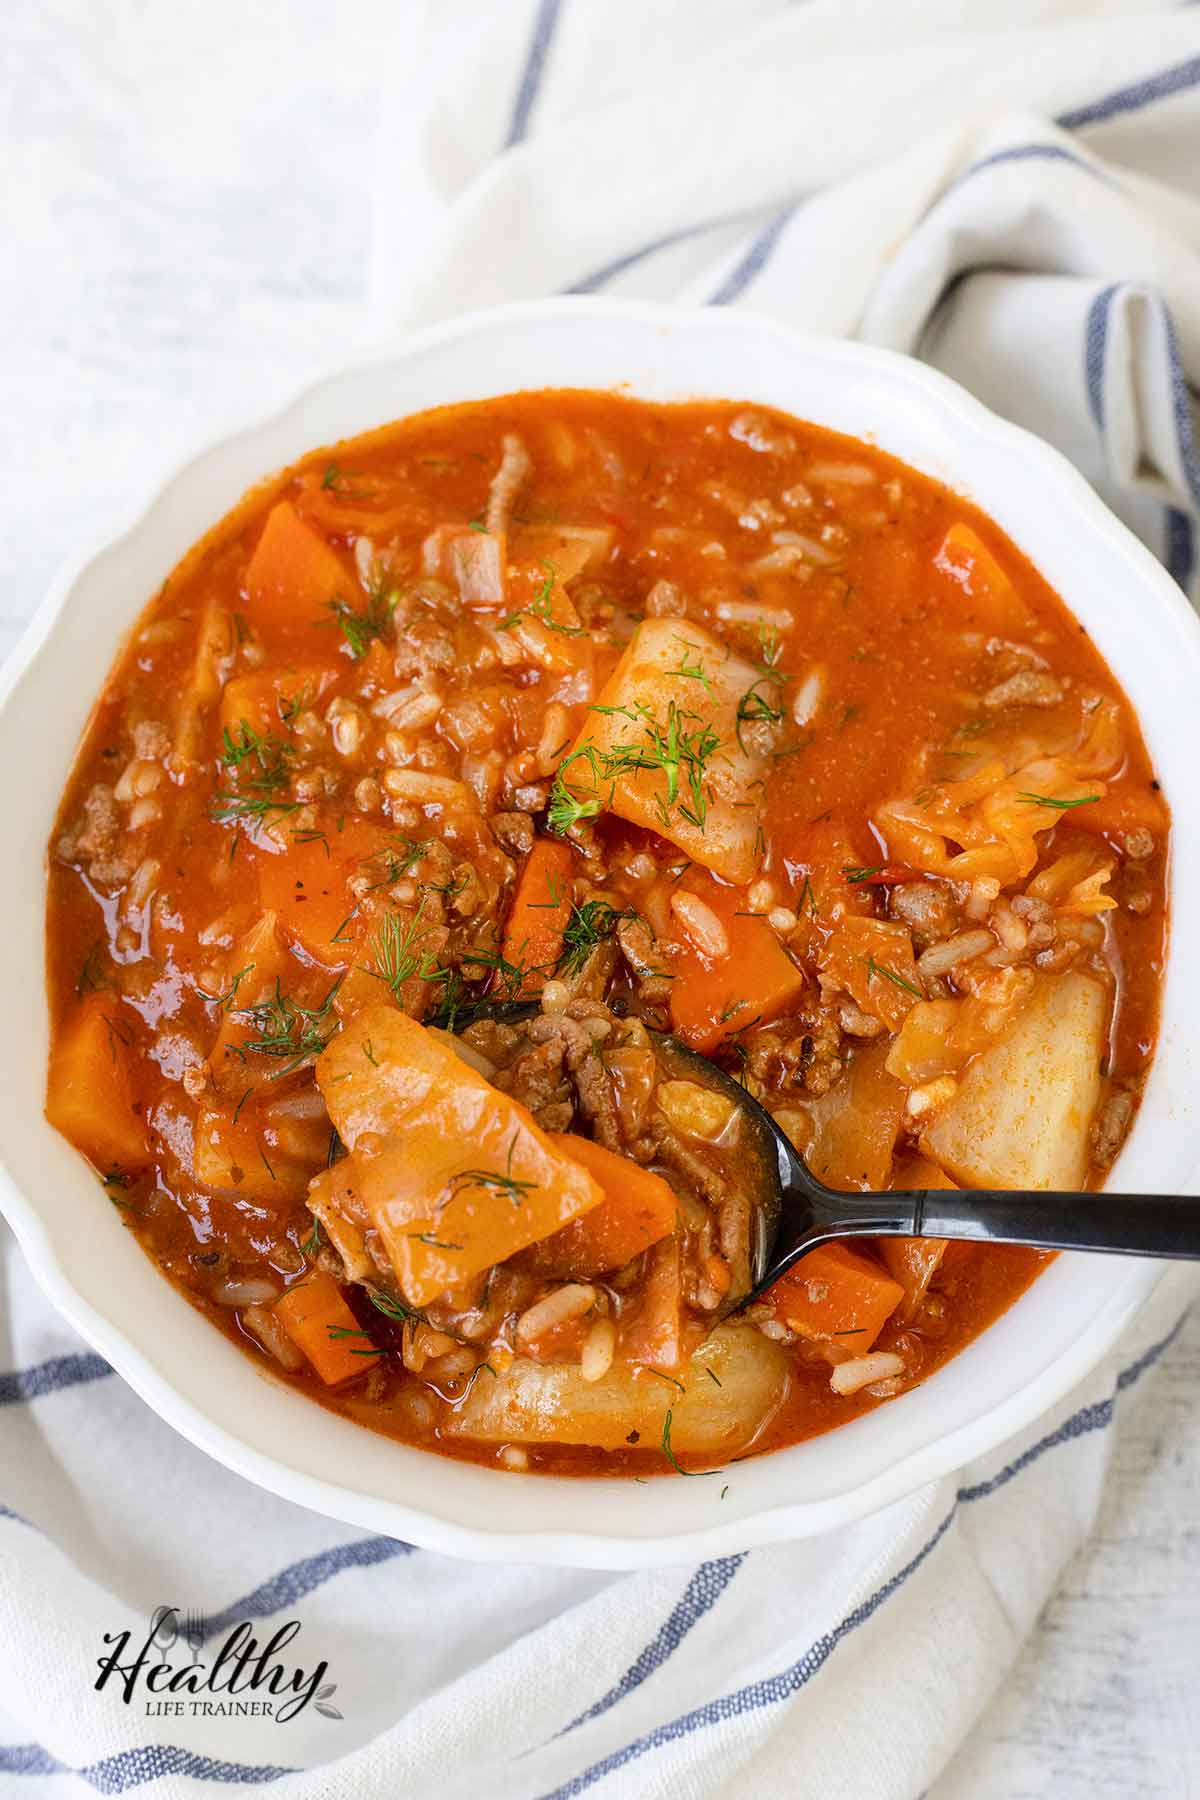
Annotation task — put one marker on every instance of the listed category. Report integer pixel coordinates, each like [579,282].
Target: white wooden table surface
[188,233]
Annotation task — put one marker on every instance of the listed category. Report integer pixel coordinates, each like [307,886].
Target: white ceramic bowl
[93,1270]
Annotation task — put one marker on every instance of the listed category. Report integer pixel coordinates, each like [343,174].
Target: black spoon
[807,1213]
[797,1212]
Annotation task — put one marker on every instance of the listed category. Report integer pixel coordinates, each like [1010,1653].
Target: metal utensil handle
[1124,1224]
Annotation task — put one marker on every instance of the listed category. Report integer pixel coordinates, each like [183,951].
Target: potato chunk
[679,742]
[1020,1118]
[551,1403]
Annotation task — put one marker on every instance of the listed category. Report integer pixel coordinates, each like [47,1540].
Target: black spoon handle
[1124,1224]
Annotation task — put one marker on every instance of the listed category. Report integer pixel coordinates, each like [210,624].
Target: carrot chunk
[293,572]
[712,999]
[637,1210]
[306,888]
[90,1095]
[833,1294]
[533,932]
[264,701]
[454,1174]
[320,1323]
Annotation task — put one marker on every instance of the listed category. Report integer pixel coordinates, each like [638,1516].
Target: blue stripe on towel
[1174,80]
[18,1385]
[301,1578]
[133,1768]
[755,260]
[1095,345]
[1180,552]
[1182,403]
[590,284]
[775,1688]
[701,1593]
[544,26]
[1035,153]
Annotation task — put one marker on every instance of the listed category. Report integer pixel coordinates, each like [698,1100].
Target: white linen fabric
[1020,205]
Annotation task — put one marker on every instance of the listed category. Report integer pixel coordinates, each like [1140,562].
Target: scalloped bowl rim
[238,1413]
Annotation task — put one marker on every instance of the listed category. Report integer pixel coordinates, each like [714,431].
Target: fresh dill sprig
[286,1030]
[678,747]
[691,671]
[754,707]
[399,953]
[224,1001]
[587,926]
[236,809]
[874,969]
[541,607]
[670,1454]
[490,1180]
[334,482]
[246,745]
[1058,805]
[361,628]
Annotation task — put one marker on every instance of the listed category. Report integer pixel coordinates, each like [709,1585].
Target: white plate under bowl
[93,1270]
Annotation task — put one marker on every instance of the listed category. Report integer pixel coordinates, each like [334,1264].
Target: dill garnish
[541,607]
[678,747]
[490,1180]
[392,1308]
[270,753]
[588,925]
[360,629]
[1058,805]
[874,969]
[670,1454]
[397,950]
[691,671]
[235,809]
[754,707]
[286,1030]
[224,1001]
[334,482]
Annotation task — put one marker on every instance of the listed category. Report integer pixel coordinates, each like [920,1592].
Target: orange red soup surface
[471,777]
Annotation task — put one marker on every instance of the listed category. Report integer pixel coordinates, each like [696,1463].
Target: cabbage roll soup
[476,780]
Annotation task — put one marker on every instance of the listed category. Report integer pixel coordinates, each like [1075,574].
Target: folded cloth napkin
[1021,207]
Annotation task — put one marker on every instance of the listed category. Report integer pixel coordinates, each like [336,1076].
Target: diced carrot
[306,887]
[966,559]
[90,1096]
[293,572]
[319,1322]
[638,1209]
[454,1174]
[756,982]
[537,918]
[1127,806]
[259,701]
[835,1295]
